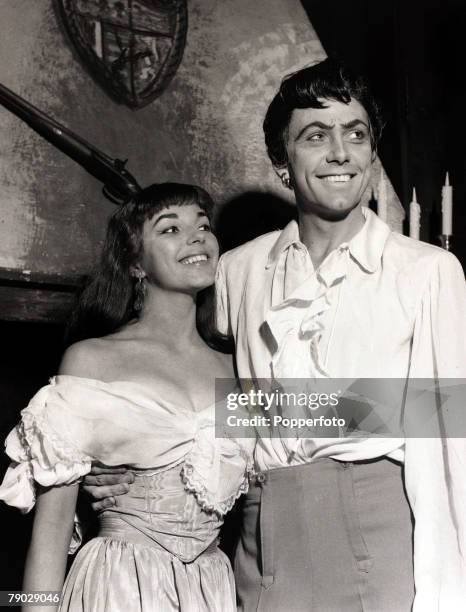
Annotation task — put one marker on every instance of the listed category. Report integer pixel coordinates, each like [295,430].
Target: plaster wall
[205,128]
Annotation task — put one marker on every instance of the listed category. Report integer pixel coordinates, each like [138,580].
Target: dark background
[413,53]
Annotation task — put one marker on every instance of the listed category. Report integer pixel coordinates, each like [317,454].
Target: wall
[205,128]
[52,213]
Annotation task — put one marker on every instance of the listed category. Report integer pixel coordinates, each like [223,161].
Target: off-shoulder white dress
[157,549]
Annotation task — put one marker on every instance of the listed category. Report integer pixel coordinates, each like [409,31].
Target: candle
[382,204]
[98,45]
[414,217]
[447,208]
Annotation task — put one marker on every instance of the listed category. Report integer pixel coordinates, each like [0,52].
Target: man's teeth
[194,259]
[337,178]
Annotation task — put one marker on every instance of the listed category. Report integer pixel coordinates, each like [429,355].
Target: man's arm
[435,467]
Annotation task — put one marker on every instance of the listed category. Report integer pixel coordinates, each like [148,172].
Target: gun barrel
[119,184]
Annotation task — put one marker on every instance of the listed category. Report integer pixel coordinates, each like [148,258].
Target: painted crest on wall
[131,47]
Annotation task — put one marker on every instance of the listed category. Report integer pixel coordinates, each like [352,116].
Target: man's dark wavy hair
[107,301]
[310,88]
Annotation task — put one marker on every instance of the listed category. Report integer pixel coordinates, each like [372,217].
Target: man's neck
[322,236]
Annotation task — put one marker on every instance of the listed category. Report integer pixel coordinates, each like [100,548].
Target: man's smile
[336,178]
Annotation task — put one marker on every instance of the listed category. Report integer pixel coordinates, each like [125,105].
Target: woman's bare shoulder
[87,359]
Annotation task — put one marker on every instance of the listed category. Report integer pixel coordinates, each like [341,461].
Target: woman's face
[180,253]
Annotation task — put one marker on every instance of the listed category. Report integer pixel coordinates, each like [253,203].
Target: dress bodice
[158,510]
[186,478]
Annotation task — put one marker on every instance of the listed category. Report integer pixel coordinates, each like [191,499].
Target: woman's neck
[169,317]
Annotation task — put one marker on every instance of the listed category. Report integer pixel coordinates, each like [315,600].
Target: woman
[137,390]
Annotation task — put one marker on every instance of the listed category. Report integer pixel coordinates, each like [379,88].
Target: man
[326,524]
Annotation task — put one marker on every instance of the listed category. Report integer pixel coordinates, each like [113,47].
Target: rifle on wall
[119,184]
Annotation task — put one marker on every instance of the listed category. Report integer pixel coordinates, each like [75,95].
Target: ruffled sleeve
[40,455]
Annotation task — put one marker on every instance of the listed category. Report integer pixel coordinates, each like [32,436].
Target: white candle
[98,48]
[447,208]
[382,204]
[414,217]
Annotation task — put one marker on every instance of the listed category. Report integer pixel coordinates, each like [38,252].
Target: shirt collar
[366,247]
[288,236]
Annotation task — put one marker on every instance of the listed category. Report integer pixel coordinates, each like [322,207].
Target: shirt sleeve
[222,314]
[435,466]
[439,341]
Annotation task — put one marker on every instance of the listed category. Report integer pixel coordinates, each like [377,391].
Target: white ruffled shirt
[380,306]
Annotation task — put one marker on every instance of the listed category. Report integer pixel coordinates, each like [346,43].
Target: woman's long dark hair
[107,301]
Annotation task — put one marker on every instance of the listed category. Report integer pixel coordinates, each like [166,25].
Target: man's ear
[284,175]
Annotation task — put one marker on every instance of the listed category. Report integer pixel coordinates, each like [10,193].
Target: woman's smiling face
[180,253]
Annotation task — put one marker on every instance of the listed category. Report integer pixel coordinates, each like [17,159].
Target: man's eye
[357,135]
[316,137]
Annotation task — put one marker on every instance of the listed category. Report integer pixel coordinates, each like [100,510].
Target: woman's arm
[51,535]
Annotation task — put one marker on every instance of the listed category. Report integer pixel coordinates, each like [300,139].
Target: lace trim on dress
[194,483]
[34,428]
[38,455]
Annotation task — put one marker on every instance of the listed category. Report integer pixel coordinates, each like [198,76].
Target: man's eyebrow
[317,124]
[325,126]
[354,123]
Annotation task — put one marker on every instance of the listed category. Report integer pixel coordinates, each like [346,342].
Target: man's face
[329,157]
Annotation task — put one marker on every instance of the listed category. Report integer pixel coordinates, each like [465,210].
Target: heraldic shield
[131,47]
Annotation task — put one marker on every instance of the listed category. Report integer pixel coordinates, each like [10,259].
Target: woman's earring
[139,291]
[286,181]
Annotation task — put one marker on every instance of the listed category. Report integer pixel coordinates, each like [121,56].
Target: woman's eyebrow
[165,216]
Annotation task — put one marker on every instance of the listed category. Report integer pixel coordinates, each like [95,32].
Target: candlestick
[414,217]
[382,204]
[447,208]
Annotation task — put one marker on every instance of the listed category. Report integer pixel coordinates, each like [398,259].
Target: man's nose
[338,151]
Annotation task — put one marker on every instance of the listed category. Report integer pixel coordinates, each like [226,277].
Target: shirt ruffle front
[295,321]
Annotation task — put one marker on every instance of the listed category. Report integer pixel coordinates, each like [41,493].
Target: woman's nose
[197,235]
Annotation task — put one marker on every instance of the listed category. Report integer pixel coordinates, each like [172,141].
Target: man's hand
[103,484]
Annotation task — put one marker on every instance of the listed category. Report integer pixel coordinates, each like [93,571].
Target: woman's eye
[205,227]
[170,230]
